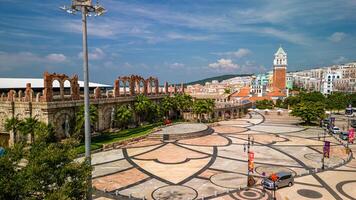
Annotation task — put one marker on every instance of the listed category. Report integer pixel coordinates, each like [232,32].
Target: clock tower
[280,69]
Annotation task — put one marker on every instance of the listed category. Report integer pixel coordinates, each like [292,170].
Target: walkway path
[215,166]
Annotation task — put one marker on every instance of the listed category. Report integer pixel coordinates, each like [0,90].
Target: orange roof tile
[276,93]
[244,92]
[255,98]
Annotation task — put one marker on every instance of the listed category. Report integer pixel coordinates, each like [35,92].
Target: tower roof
[280,51]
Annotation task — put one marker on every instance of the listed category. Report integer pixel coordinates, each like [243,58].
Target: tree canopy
[309,111]
[44,169]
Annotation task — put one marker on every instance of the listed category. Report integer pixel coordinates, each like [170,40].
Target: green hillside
[218,78]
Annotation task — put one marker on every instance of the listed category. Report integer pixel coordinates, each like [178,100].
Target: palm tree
[168,103]
[28,127]
[184,102]
[123,115]
[203,107]
[79,118]
[142,106]
[12,124]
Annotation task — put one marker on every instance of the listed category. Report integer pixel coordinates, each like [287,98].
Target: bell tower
[280,69]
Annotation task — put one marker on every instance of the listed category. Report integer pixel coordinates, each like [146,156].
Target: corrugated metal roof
[14,83]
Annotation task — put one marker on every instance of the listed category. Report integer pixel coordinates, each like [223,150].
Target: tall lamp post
[87,8]
[250,142]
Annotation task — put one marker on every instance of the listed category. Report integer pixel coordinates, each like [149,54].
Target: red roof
[276,93]
[244,92]
[255,98]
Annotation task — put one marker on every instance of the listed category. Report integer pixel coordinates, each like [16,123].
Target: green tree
[12,124]
[312,96]
[46,170]
[28,126]
[80,120]
[142,106]
[227,90]
[309,111]
[292,101]
[264,104]
[203,107]
[337,101]
[123,115]
[351,98]
[183,102]
[168,104]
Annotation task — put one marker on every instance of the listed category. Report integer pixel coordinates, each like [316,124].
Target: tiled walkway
[215,166]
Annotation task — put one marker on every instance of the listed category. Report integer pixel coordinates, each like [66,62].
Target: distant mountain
[218,78]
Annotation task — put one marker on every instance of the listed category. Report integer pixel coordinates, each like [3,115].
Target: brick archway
[48,80]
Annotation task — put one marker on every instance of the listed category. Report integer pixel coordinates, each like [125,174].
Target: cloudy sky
[175,40]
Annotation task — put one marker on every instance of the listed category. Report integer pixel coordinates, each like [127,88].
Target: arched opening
[58,91]
[67,89]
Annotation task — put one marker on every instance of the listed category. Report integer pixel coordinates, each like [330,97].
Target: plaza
[214,166]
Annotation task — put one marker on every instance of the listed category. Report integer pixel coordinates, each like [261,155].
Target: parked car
[353,123]
[284,179]
[326,122]
[344,135]
[335,130]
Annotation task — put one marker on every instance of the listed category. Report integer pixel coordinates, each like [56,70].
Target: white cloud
[176,65]
[96,54]
[55,57]
[340,59]
[240,53]
[178,36]
[224,64]
[15,61]
[337,36]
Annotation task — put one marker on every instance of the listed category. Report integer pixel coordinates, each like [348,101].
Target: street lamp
[87,8]
[250,142]
[323,158]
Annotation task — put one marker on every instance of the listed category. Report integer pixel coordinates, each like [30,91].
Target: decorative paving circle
[229,180]
[229,129]
[311,194]
[317,157]
[351,164]
[252,194]
[174,192]
[347,188]
[268,170]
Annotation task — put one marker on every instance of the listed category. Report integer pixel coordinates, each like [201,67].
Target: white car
[335,130]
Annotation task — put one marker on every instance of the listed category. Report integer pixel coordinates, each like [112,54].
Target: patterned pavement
[215,166]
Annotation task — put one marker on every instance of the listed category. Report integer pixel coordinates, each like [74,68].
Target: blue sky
[175,40]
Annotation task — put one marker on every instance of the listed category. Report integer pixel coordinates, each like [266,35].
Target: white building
[327,82]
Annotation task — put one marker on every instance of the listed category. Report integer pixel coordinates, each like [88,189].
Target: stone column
[156,87]
[117,88]
[61,89]
[97,93]
[145,88]
[182,87]
[166,87]
[132,87]
[124,88]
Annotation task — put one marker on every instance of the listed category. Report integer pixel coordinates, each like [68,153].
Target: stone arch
[59,120]
[105,117]
[126,83]
[227,114]
[66,90]
[152,84]
[48,80]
